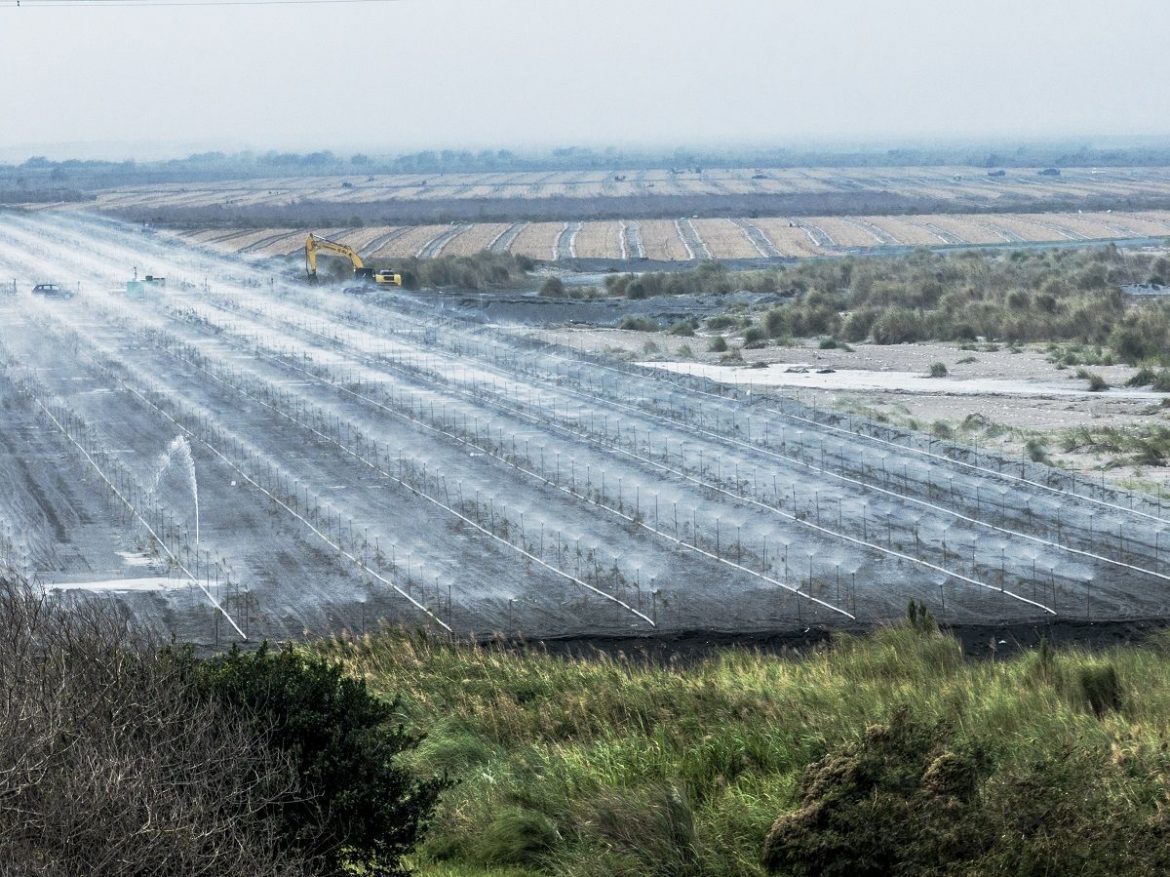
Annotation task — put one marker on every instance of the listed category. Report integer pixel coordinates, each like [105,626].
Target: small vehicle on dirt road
[52,290]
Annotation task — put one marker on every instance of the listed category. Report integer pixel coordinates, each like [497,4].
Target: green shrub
[898,326]
[938,370]
[718,344]
[871,809]
[722,321]
[639,324]
[358,809]
[1100,687]
[516,836]
[754,334]
[553,287]
[685,328]
[775,323]
[1036,450]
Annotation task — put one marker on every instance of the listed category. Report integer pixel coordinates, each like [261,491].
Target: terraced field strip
[566,243]
[723,239]
[436,247]
[503,242]
[408,244]
[1021,226]
[536,240]
[787,238]
[973,229]
[632,241]
[272,239]
[661,240]
[845,233]
[476,238]
[905,231]
[600,240]
[696,246]
[363,239]
[758,239]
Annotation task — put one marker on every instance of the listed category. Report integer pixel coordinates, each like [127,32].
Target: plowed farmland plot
[724,239]
[476,239]
[599,240]
[355,461]
[537,240]
[787,237]
[661,240]
[409,243]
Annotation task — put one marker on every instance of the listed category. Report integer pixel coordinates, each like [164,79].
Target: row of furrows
[692,240]
[758,239]
[487,517]
[169,536]
[584,487]
[935,491]
[479,392]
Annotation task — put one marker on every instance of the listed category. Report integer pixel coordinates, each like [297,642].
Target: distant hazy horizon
[390,77]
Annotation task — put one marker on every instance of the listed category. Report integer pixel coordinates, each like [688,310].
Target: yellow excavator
[314,242]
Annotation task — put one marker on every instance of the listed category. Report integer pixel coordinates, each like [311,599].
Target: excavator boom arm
[315,242]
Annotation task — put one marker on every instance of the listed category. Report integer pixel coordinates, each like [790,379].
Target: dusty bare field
[963,184]
[359,461]
[689,240]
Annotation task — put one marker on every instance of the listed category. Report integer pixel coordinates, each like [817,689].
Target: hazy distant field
[963,185]
[686,239]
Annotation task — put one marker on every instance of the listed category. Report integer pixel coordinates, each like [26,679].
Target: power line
[106,4]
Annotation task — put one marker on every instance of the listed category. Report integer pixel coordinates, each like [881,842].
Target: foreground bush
[119,756]
[889,755]
[112,762]
[358,807]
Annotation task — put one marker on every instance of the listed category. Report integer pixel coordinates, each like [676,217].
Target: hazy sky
[390,76]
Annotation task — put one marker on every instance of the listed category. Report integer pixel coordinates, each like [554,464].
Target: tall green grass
[606,766]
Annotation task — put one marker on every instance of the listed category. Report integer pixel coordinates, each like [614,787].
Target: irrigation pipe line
[750,447]
[383,407]
[375,467]
[361,564]
[397,480]
[191,433]
[823,530]
[551,349]
[881,490]
[174,559]
[284,363]
[1004,475]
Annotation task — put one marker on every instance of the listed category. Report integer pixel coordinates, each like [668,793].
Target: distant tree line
[39,172]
